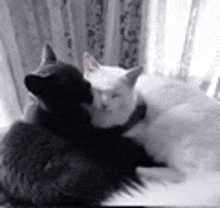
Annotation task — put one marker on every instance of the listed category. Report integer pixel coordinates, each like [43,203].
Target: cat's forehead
[107,76]
[105,82]
[109,86]
[113,71]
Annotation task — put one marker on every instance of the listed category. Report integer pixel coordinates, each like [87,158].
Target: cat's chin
[106,111]
[102,125]
[104,122]
[98,110]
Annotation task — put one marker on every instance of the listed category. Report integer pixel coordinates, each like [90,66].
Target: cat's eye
[99,92]
[115,95]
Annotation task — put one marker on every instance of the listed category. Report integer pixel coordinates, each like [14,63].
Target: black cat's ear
[132,75]
[48,54]
[90,64]
[37,84]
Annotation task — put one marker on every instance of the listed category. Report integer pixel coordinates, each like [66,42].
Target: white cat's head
[113,87]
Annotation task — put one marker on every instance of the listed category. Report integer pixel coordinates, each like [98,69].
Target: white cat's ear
[90,63]
[132,75]
[48,54]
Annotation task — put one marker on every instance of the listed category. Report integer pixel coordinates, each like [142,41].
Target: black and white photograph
[109,103]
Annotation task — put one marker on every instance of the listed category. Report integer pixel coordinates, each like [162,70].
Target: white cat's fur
[114,98]
[183,127]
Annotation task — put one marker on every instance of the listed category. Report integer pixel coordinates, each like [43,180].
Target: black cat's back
[46,169]
[39,167]
[27,149]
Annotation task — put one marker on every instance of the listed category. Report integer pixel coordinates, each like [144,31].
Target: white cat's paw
[161,174]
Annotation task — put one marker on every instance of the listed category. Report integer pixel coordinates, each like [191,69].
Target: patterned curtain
[114,31]
[166,36]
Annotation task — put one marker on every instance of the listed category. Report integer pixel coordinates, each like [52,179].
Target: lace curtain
[114,30]
[168,37]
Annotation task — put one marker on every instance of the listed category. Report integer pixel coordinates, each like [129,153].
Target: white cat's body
[184,124]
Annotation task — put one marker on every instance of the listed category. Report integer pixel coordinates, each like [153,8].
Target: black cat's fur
[55,156]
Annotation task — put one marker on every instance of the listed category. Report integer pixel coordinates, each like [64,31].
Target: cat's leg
[161,174]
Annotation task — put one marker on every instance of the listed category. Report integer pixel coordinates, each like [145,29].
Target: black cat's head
[59,87]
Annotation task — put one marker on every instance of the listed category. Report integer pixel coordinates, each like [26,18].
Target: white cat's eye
[99,92]
[116,95]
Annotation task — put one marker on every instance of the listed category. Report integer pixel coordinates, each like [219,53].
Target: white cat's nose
[104,107]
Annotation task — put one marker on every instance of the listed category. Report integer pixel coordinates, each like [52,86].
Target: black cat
[55,156]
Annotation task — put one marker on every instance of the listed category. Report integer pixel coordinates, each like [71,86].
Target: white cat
[183,128]
[113,90]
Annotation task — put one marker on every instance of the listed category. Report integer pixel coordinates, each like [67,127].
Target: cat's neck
[60,124]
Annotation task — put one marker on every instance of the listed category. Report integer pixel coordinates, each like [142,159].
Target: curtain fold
[10,106]
[77,14]
[112,34]
[10,46]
